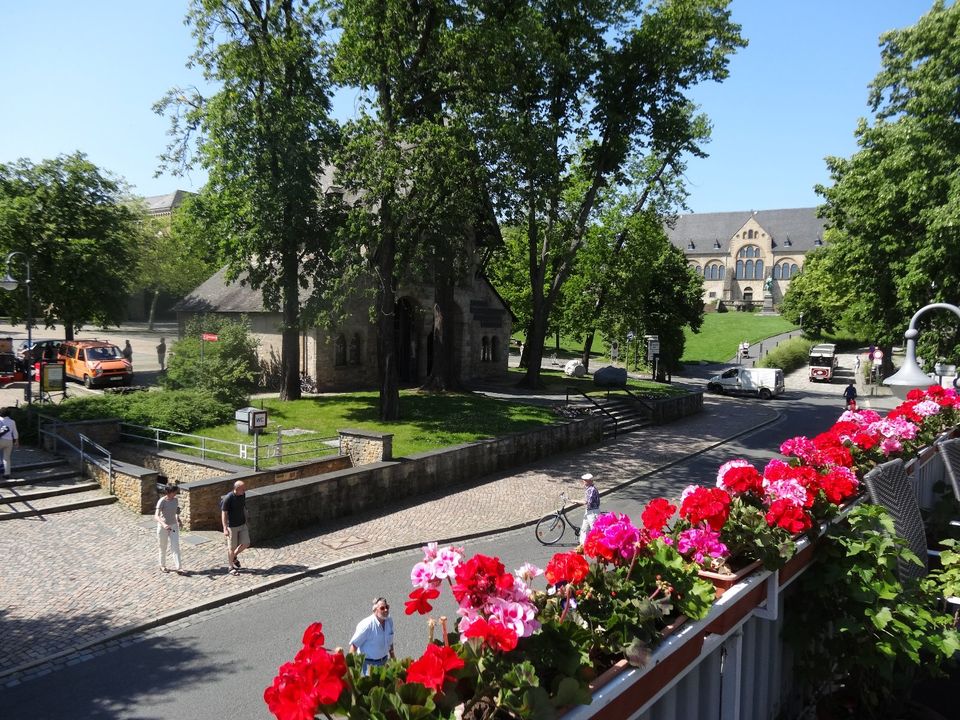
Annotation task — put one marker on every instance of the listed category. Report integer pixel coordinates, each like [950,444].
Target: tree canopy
[896,201]
[70,219]
[264,136]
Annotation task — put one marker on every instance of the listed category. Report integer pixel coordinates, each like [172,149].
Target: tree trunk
[557,346]
[290,332]
[536,336]
[67,329]
[444,373]
[389,404]
[153,309]
[587,347]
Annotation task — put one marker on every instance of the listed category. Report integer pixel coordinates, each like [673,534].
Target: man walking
[168,527]
[9,437]
[162,353]
[233,514]
[591,503]
[374,636]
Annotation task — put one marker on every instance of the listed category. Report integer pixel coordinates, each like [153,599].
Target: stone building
[346,358]
[737,252]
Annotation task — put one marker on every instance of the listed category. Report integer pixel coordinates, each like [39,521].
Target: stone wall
[173,466]
[135,487]
[288,506]
[366,446]
[673,408]
[200,499]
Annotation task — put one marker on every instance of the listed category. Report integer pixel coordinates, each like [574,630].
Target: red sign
[210,337]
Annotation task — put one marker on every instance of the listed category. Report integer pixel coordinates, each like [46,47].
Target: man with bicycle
[592,505]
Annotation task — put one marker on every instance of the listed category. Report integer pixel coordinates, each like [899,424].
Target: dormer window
[690,245]
[818,242]
[716,244]
[787,243]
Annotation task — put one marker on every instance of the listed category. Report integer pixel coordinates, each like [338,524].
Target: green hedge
[180,410]
[789,355]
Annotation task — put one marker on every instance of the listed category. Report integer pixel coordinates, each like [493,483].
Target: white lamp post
[10,283]
[910,376]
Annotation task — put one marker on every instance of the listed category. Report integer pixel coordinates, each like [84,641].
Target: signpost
[653,352]
[205,338]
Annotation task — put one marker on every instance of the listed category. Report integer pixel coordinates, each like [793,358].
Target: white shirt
[12,424]
[373,639]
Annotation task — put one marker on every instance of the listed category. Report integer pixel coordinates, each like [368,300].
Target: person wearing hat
[591,504]
[167,516]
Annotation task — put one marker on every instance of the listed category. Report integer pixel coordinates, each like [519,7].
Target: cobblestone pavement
[76,578]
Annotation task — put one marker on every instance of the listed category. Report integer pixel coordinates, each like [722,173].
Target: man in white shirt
[9,438]
[374,636]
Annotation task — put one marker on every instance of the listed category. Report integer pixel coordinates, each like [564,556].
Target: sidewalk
[74,579]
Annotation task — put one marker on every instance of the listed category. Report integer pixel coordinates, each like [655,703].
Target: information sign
[210,337]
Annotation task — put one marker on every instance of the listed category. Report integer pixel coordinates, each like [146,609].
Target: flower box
[670,659]
[724,581]
[733,606]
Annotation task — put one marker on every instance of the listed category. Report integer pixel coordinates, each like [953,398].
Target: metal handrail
[601,408]
[639,399]
[84,440]
[81,452]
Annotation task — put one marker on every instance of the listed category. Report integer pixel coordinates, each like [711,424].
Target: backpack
[4,429]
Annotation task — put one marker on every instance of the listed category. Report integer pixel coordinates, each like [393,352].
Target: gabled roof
[164,204]
[793,230]
[216,295]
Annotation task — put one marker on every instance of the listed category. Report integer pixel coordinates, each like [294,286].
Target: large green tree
[263,136]
[569,94]
[69,218]
[896,201]
[411,164]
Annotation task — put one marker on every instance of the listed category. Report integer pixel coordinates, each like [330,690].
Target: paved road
[216,663]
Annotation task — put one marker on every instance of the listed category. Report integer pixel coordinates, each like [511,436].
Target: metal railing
[598,406]
[49,427]
[257,452]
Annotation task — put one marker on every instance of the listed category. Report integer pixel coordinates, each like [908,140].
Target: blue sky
[83,76]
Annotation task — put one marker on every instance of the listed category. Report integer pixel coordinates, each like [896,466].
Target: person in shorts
[233,514]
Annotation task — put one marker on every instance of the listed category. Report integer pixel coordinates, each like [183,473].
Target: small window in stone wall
[485,349]
[494,349]
[355,349]
[340,351]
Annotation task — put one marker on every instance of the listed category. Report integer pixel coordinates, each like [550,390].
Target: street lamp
[10,283]
[910,376]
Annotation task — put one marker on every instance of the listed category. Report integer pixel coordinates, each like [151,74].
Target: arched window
[485,349]
[355,348]
[739,274]
[748,270]
[494,348]
[721,272]
[340,351]
[776,272]
[749,234]
[758,270]
[699,270]
[794,270]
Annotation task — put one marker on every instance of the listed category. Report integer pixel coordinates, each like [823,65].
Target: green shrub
[180,410]
[788,355]
[227,369]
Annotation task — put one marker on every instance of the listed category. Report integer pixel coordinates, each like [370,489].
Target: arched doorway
[407,338]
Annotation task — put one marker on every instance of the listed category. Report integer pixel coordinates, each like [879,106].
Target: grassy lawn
[721,333]
[428,421]
[555,382]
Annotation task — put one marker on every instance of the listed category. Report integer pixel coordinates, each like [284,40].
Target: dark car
[46,350]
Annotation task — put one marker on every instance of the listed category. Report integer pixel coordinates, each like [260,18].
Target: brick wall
[288,506]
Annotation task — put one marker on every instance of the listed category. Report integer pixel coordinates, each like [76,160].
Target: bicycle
[550,527]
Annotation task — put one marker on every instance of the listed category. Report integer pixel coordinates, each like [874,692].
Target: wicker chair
[890,487]
[950,452]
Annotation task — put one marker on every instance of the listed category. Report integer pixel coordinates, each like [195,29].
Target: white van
[762,382]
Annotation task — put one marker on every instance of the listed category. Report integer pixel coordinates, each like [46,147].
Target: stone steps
[629,414]
[28,492]
[12,510]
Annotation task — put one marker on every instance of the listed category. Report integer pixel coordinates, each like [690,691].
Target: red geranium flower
[657,514]
[710,504]
[433,668]
[568,567]
[479,577]
[315,678]
[492,634]
[743,479]
[313,635]
[595,547]
[419,601]
[788,515]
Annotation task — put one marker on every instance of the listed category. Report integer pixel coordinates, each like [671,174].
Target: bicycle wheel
[550,528]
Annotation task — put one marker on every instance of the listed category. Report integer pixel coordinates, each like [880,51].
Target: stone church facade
[346,357]
[736,253]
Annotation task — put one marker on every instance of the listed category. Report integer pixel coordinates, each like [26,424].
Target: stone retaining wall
[175,467]
[673,408]
[288,506]
[135,487]
[366,446]
[200,499]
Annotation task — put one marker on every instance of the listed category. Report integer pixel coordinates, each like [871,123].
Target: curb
[230,597]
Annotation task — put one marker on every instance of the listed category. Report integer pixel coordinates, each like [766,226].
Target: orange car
[94,362]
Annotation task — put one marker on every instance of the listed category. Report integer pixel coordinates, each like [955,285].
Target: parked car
[10,370]
[46,350]
[94,362]
[762,382]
